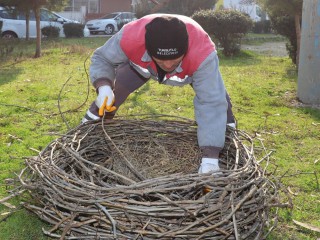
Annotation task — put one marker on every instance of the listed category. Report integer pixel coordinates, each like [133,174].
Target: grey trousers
[127,81]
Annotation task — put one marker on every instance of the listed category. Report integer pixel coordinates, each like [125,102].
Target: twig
[5,199]
[126,161]
[113,222]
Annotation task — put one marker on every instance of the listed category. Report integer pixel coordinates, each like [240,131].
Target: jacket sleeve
[105,60]
[210,106]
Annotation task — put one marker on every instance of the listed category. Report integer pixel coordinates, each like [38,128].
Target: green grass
[262,88]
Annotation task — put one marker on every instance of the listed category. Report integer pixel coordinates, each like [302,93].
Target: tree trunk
[27,24]
[297,20]
[38,27]
[309,61]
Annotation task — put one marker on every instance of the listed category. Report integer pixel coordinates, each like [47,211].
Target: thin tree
[36,6]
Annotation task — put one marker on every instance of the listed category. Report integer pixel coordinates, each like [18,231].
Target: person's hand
[105,100]
[209,165]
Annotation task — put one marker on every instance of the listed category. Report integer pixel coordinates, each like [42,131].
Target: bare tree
[188,7]
[184,7]
[144,7]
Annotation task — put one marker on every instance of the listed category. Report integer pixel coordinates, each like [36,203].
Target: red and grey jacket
[199,67]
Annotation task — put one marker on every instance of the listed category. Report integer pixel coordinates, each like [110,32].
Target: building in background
[84,10]
[246,6]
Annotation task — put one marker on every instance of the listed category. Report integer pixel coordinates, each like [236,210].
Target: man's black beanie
[166,38]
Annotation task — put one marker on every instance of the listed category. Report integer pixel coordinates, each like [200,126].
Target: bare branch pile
[137,179]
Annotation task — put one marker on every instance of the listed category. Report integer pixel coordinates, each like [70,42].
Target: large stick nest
[137,179]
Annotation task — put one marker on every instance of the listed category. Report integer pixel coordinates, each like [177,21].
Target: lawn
[40,98]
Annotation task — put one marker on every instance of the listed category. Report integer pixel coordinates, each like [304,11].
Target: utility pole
[309,65]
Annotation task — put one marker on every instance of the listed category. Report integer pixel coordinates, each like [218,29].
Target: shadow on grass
[9,74]
[314,113]
[244,58]
[13,52]
[291,73]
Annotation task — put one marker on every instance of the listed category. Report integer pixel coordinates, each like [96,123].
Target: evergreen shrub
[227,26]
[50,31]
[73,30]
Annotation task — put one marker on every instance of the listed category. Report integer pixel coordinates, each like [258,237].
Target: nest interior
[137,179]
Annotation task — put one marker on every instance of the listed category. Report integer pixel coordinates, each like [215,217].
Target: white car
[14,23]
[110,23]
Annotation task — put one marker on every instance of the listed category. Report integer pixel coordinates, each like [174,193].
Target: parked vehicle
[14,23]
[110,23]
